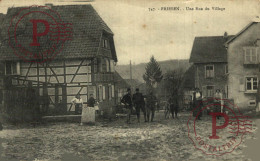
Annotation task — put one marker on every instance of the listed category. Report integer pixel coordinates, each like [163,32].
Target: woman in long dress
[197,103]
[78,103]
[218,102]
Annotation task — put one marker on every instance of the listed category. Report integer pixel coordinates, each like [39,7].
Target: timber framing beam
[27,73]
[77,70]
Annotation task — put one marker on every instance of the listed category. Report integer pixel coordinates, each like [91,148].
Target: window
[2,68]
[251,83]
[250,55]
[12,68]
[105,43]
[104,65]
[92,90]
[252,103]
[209,71]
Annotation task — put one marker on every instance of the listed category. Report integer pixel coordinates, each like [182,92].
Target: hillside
[139,69]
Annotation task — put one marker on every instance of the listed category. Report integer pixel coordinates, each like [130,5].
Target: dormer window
[105,43]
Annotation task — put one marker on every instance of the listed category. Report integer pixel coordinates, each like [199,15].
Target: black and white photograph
[126,80]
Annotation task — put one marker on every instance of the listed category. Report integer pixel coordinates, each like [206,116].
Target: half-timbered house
[85,65]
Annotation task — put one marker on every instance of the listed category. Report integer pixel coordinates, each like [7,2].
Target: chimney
[225,36]
[49,5]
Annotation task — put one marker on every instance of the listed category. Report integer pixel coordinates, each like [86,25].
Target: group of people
[78,103]
[140,102]
[198,103]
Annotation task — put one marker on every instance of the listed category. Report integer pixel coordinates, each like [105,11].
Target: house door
[61,98]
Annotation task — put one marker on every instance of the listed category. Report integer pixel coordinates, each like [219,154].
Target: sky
[140,33]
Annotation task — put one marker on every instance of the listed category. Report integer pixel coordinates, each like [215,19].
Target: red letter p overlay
[214,126]
[36,34]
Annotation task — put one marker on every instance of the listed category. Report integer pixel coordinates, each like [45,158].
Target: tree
[153,74]
[174,82]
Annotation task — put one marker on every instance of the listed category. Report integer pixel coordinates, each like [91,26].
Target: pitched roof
[133,82]
[88,27]
[239,33]
[120,82]
[209,49]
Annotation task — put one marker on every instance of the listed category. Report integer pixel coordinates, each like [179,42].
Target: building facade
[209,58]
[85,66]
[243,61]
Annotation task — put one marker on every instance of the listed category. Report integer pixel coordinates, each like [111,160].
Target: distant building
[243,63]
[120,86]
[209,57]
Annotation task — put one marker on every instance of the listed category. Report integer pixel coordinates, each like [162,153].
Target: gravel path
[160,140]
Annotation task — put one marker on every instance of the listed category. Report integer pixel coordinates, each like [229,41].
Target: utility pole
[131,78]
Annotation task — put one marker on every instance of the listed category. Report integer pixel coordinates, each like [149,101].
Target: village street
[160,140]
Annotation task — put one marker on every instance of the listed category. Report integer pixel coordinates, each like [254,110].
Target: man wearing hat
[138,100]
[150,105]
[127,101]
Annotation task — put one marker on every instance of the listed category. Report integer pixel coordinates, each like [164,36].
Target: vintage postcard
[129,80]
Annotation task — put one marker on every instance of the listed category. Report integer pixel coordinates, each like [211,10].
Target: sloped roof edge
[239,33]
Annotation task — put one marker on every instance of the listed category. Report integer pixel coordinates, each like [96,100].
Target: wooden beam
[22,78]
[77,70]
[38,78]
[58,75]
[27,73]
[53,73]
[55,66]
[64,71]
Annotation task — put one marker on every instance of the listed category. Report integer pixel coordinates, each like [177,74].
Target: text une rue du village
[187,9]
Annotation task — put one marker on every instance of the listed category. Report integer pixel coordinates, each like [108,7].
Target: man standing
[174,105]
[127,101]
[91,101]
[151,100]
[78,103]
[138,100]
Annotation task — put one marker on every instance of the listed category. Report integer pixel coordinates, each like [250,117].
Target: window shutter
[104,92]
[113,90]
[204,91]
[205,68]
[95,62]
[2,68]
[100,93]
[112,67]
[18,68]
[107,65]
[213,72]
